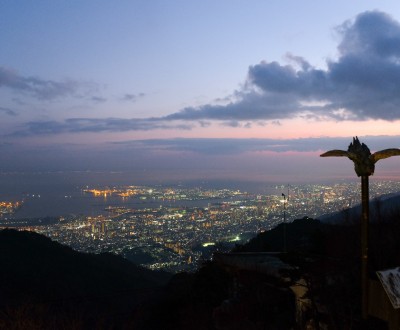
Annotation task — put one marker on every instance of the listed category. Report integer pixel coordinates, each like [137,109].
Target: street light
[284,222]
[364,166]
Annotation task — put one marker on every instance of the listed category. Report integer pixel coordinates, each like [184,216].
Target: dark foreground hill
[47,285]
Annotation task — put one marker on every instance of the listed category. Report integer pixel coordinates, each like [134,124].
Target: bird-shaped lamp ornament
[359,153]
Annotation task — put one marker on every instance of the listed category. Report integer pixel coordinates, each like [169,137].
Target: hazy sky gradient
[249,89]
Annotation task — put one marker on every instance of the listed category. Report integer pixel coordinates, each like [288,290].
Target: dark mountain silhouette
[45,284]
[188,301]
[379,207]
[298,234]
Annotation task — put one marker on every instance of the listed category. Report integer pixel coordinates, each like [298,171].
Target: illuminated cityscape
[176,237]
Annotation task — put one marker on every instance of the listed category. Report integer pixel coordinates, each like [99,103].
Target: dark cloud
[132,97]
[232,123]
[204,123]
[363,83]
[39,88]
[252,106]
[8,112]
[227,146]
[372,34]
[98,99]
[78,125]
[206,146]
[236,123]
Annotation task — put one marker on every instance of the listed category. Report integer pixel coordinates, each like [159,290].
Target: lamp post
[364,166]
[284,222]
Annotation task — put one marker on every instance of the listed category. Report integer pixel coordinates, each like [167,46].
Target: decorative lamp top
[359,153]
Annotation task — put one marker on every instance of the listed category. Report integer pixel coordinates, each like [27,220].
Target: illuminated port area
[8,208]
[176,237]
